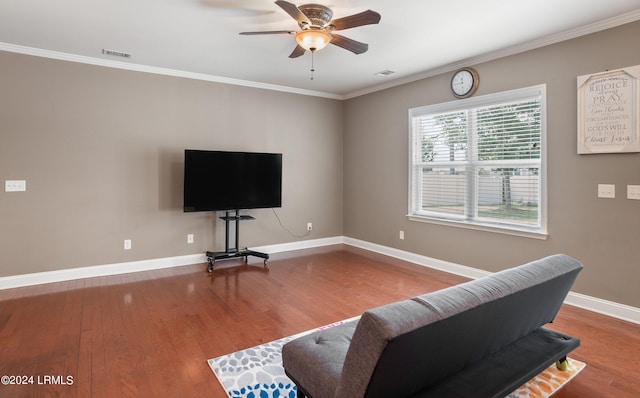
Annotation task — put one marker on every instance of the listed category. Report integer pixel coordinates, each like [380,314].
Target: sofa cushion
[324,349]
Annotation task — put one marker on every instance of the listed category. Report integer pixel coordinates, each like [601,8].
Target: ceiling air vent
[385,72]
[114,53]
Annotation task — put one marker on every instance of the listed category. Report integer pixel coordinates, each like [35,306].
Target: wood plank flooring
[149,334]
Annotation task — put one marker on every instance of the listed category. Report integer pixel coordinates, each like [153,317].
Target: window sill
[479,227]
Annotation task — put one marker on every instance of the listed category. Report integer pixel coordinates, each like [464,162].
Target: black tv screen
[222,180]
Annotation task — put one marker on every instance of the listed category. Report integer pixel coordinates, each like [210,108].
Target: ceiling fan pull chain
[312,68]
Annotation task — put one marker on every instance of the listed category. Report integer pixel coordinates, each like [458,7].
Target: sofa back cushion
[404,347]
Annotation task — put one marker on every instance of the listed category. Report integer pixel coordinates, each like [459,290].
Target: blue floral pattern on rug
[257,372]
[265,391]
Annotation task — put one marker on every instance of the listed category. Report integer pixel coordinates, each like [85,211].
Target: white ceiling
[199,38]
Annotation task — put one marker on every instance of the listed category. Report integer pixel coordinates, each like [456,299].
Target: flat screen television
[222,180]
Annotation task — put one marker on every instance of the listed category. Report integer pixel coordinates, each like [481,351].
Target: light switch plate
[607,191]
[15,186]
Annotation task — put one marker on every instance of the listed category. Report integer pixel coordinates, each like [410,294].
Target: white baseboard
[440,265]
[605,307]
[299,245]
[39,278]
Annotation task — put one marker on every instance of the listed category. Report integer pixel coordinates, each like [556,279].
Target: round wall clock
[464,82]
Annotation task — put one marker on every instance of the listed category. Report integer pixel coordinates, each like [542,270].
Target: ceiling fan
[317,28]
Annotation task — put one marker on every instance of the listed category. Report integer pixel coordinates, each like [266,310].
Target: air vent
[385,72]
[114,53]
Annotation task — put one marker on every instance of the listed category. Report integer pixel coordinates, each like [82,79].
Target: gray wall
[603,233]
[102,152]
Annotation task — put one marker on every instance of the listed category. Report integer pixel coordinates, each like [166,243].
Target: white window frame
[539,231]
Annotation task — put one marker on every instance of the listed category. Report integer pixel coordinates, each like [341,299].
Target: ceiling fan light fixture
[313,39]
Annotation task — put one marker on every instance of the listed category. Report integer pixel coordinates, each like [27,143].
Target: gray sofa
[482,338]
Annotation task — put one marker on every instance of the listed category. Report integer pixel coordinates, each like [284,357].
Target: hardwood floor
[149,334]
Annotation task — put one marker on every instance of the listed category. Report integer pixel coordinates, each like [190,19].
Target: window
[480,162]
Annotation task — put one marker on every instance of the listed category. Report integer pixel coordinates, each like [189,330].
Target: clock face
[464,83]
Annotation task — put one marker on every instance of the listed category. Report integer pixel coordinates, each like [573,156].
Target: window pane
[509,195]
[443,137]
[509,131]
[443,190]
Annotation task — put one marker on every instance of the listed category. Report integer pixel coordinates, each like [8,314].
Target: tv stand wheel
[265,262]
[211,263]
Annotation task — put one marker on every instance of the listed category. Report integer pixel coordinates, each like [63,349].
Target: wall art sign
[608,109]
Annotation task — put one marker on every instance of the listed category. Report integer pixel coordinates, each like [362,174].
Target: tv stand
[233,252]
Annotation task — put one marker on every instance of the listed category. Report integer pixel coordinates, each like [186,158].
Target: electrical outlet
[607,191]
[309,226]
[401,236]
[190,238]
[127,244]
[633,192]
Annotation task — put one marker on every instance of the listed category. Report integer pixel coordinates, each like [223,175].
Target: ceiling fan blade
[294,11]
[269,32]
[364,18]
[298,51]
[355,47]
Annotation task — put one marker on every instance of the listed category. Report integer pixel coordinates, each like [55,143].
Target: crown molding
[517,49]
[608,23]
[61,56]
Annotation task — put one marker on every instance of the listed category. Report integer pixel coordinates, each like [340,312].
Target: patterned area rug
[257,373]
